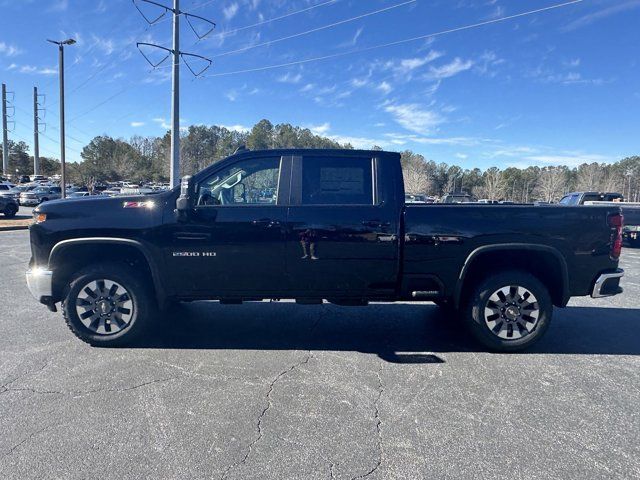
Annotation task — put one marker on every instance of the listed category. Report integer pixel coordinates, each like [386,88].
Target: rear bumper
[607,284]
[39,282]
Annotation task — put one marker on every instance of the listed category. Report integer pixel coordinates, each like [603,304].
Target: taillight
[615,222]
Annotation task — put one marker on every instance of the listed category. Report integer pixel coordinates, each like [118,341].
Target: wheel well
[545,266]
[76,257]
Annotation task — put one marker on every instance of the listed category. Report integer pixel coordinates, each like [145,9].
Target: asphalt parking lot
[277,390]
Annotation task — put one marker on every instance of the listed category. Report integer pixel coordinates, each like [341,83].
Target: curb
[13,228]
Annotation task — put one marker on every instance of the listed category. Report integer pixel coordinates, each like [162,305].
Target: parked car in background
[6,186]
[417,198]
[40,194]
[37,178]
[14,192]
[8,206]
[112,192]
[578,198]
[631,222]
[457,197]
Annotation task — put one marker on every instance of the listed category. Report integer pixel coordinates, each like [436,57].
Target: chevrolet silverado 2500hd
[314,225]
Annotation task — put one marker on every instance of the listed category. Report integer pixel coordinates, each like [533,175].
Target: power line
[341,22]
[86,112]
[362,50]
[264,22]
[398,42]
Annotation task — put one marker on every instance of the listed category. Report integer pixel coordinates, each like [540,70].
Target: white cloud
[290,78]
[450,69]
[9,50]
[105,44]
[320,129]
[604,13]
[359,82]
[308,87]
[409,64]
[354,39]
[137,124]
[59,6]
[231,95]
[384,87]
[462,156]
[412,117]
[236,128]
[569,159]
[230,11]
[30,69]
[573,63]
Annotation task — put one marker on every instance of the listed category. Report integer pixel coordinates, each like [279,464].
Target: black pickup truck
[314,225]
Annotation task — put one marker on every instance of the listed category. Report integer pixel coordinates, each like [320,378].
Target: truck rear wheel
[108,305]
[509,311]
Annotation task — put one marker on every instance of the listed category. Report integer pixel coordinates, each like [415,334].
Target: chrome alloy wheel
[512,312]
[104,307]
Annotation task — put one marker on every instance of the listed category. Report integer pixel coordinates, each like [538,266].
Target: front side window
[248,182]
[337,181]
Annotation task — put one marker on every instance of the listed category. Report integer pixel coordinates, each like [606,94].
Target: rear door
[342,227]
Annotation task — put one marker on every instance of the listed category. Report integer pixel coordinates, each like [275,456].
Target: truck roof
[335,152]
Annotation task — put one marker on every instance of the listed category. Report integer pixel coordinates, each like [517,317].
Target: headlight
[39,217]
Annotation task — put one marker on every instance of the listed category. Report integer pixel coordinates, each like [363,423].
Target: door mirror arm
[185,202]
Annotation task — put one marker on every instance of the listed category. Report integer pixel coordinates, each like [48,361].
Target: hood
[138,211]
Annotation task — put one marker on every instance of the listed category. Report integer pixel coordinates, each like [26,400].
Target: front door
[233,244]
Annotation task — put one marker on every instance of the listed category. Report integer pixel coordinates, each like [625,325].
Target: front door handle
[191,236]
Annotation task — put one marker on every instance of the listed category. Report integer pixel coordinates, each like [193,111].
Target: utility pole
[36,140]
[174,170]
[5,141]
[70,41]
[176,55]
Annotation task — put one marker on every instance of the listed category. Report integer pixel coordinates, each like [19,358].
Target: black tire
[10,210]
[515,314]
[139,301]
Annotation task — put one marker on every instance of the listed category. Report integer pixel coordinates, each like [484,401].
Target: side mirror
[184,204]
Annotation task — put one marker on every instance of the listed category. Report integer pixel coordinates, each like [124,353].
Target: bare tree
[552,183]
[415,172]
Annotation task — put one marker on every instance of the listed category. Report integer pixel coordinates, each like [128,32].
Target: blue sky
[560,86]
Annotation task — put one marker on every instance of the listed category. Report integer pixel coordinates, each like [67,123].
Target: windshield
[569,200]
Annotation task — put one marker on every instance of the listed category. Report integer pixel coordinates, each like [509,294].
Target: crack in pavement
[269,401]
[80,394]
[264,412]
[5,386]
[26,439]
[376,405]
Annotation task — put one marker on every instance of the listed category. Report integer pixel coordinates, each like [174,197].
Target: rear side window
[337,181]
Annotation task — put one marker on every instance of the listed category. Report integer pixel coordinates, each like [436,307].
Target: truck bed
[443,238]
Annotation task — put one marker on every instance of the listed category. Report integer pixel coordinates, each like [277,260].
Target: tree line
[141,159]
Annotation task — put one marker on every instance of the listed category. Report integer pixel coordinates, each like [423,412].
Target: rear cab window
[337,181]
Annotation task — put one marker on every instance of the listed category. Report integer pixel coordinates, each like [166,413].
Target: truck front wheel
[108,305]
[509,311]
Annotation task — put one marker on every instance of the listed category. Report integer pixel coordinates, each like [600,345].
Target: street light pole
[174,172]
[61,45]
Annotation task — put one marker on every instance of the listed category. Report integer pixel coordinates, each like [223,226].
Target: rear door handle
[375,223]
[266,222]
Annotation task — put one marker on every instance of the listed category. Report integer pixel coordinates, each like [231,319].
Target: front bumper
[39,282]
[29,201]
[607,284]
